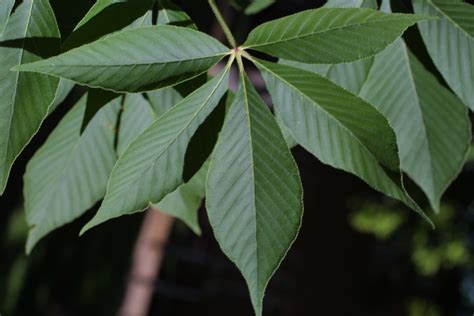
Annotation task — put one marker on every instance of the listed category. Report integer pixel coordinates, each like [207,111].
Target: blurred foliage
[420,307]
[431,250]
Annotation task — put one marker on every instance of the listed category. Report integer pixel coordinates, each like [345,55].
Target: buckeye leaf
[329,35]
[371,4]
[162,100]
[138,59]
[152,165]
[171,14]
[450,43]
[6,7]
[69,174]
[256,6]
[185,201]
[107,16]
[336,126]
[431,124]
[25,98]
[254,193]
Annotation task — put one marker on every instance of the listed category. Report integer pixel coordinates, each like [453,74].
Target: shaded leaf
[337,127]
[254,193]
[96,99]
[152,165]
[173,15]
[450,42]
[69,174]
[25,98]
[138,59]
[185,202]
[329,35]
[108,16]
[162,100]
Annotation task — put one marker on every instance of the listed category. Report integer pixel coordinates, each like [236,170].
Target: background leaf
[450,42]
[138,59]
[152,166]
[25,98]
[108,16]
[329,35]
[254,193]
[69,174]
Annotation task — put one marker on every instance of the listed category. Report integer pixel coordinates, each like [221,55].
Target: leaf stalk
[222,23]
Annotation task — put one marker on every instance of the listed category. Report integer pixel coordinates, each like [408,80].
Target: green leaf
[69,174]
[64,88]
[431,124]
[254,193]
[258,5]
[107,16]
[152,165]
[370,4]
[185,202]
[450,43]
[137,115]
[25,98]
[329,35]
[336,126]
[96,99]
[162,100]
[6,7]
[139,59]
[172,15]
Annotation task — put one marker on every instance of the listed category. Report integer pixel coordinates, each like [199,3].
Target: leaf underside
[254,194]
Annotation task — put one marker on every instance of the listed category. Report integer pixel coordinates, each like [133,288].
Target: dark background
[332,268]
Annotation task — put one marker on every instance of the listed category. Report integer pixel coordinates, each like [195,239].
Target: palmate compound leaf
[138,59]
[69,174]
[152,165]
[25,98]
[431,124]
[450,43]
[254,193]
[329,35]
[336,126]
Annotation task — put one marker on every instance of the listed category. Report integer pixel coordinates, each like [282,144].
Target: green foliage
[148,131]
[450,42]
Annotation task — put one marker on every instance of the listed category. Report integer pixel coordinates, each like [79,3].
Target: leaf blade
[337,137]
[100,65]
[450,43]
[31,33]
[254,195]
[329,35]
[69,173]
[160,149]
